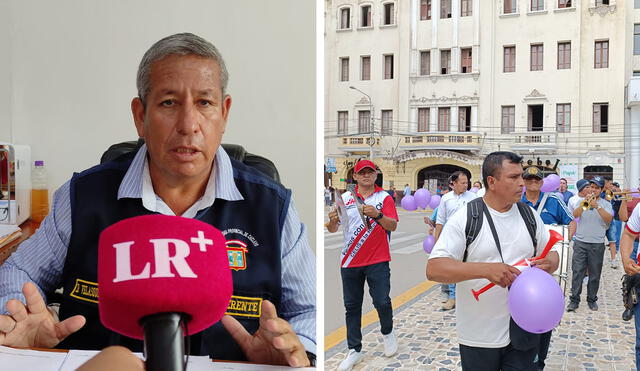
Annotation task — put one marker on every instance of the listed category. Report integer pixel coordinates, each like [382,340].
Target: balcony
[452,141]
[538,142]
[357,144]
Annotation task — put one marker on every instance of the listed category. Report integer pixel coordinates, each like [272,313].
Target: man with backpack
[481,244]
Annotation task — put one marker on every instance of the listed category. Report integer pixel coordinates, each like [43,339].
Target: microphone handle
[163,342]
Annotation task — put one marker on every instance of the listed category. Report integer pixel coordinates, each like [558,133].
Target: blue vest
[252,227]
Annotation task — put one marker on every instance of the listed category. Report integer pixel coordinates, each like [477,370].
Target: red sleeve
[389,208]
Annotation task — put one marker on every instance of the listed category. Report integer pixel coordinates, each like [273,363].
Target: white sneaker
[390,344]
[352,359]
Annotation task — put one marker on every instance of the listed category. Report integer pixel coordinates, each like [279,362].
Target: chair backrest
[235,151]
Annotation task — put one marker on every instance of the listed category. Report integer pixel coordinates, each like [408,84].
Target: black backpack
[475,219]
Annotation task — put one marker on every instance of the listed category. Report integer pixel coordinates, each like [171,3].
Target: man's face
[533,184]
[563,185]
[508,183]
[608,185]
[184,118]
[595,189]
[366,177]
[461,184]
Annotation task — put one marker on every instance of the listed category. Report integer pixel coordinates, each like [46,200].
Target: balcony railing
[526,141]
[468,141]
[360,143]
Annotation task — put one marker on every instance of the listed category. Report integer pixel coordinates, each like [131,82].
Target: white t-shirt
[633,224]
[481,192]
[574,202]
[485,323]
[450,203]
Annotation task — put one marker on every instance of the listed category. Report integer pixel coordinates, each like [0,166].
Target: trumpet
[609,195]
[586,203]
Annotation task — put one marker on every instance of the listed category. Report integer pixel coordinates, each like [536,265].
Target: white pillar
[454,119]
[413,63]
[455,48]
[433,119]
[412,126]
[435,53]
[474,118]
[634,150]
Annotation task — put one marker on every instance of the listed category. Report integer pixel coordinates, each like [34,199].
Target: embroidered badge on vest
[85,290]
[237,253]
[242,306]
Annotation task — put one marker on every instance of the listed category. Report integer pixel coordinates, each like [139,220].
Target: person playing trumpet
[618,201]
[588,249]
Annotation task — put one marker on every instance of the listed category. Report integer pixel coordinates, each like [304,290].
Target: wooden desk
[28,228]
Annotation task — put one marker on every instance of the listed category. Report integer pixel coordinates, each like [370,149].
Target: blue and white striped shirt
[40,259]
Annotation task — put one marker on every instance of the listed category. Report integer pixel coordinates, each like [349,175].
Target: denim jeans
[452,291]
[378,277]
[613,233]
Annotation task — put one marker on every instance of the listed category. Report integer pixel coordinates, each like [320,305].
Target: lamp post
[371,125]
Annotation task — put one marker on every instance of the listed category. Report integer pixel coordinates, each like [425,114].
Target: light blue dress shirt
[40,259]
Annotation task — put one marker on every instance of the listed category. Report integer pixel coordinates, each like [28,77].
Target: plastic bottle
[39,192]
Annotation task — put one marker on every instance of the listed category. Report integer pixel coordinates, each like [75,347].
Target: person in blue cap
[552,210]
[588,248]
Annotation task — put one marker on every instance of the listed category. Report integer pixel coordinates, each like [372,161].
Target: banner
[570,173]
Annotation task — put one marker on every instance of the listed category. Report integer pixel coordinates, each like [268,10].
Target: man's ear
[226,107]
[137,109]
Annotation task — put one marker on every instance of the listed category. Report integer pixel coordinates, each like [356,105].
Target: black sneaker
[593,306]
[572,307]
[627,314]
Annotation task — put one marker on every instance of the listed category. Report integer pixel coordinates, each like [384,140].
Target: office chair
[235,151]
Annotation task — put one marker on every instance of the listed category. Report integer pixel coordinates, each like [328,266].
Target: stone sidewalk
[584,340]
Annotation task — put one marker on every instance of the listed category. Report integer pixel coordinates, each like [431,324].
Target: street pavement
[584,340]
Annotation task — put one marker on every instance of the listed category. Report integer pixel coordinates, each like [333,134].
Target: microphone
[158,272]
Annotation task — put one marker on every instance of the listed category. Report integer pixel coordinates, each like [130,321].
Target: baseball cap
[531,172]
[616,184]
[364,164]
[597,180]
[580,184]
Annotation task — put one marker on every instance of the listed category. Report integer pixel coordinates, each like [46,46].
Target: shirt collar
[526,200]
[221,182]
[376,188]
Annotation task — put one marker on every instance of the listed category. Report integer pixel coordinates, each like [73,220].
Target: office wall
[73,66]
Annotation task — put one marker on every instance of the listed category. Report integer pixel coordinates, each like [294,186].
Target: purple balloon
[422,196]
[577,220]
[637,192]
[474,190]
[408,203]
[435,201]
[551,183]
[536,301]
[428,244]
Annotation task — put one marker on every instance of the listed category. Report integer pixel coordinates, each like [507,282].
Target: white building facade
[543,78]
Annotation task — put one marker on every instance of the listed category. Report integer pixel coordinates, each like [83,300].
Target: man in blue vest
[181,112]
[552,210]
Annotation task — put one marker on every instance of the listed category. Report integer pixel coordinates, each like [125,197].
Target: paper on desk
[23,359]
[7,229]
[75,359]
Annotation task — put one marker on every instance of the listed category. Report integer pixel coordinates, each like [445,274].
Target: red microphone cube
[156,264]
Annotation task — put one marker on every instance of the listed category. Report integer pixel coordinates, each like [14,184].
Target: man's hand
[593,202]
[545,264]
[630,267]
[501,274]
[274,343]
[333,216]
[34,325]
[370,211]
[113,358]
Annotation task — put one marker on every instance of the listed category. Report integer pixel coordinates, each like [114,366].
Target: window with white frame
[563,117]
[636,39]
[564,55]
[536,57]
[425,10]
[425,63]
[345,18]
[510,7]
[509,60]
[444,118]
[387,120]
[365,16]
[343,122]
[508,124]
[388,14]
[445,62]
[364,121]
[602,2]
[465,60]
[445,9]
[564,4]
[423,119]
[537,5]
[365,67]
[601,54]
[388,67]
[601,117]
[466,8]
[344,69]
[464,118]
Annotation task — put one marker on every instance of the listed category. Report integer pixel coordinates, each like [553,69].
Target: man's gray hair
[180,44]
